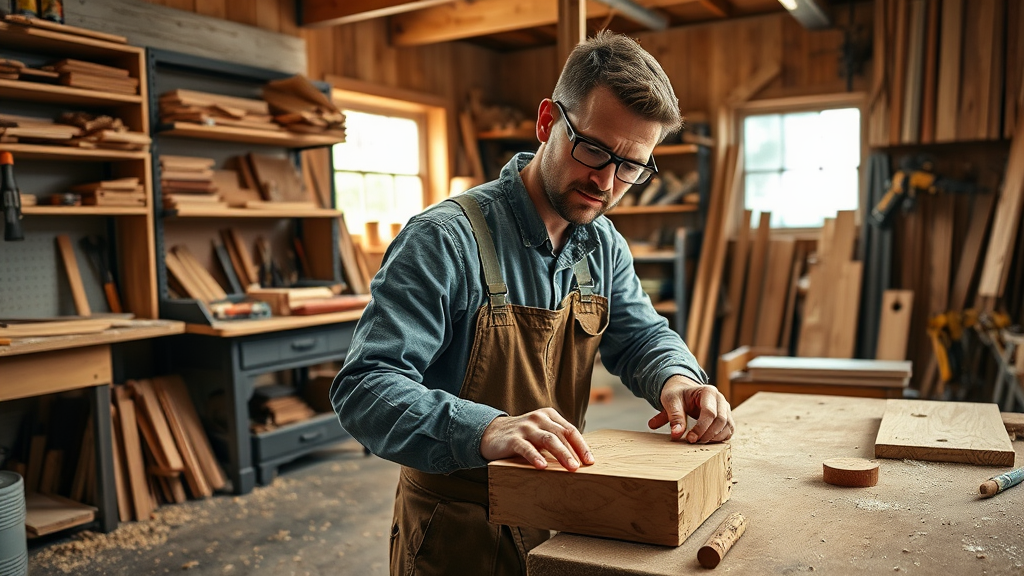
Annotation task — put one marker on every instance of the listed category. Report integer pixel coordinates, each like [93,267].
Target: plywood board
[775,293]
[48,513]
[643,488]
[965,432]
[842,328]
[67,254]
[832,366]
[894,328]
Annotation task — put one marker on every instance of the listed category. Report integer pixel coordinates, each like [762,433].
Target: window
[378,176]
[802,167]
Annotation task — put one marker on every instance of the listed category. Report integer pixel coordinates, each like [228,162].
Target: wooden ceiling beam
[316,13]
[720,8]
[470,18]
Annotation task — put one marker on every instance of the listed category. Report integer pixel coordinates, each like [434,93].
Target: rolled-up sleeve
[639,346]
[380,394]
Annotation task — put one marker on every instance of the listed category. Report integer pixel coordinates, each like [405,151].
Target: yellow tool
[916,174]
[946,330]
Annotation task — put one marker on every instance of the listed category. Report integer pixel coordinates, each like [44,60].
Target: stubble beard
[564,204]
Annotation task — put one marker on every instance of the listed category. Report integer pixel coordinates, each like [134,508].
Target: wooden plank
[878,101]
[755,281]
[154,26]
[124,500]
[349,260]
[997,76]
[199,273]
[316,13]
[794,279]
[948,91]
[931,72]
[49,513]
[965,432]
[152,420]
[174,387]
[1014,79]
[175,421]
[141,502]
[744,388]
[635,474]
[897,78]
[1008,215]
[67,254]
[843,323]
[839,367]
[251,271]
[976,75]
[894,327]
[970,256]
[775,292]
[737,281]
[55,328]
[940,251]
[911,127]
[86,454]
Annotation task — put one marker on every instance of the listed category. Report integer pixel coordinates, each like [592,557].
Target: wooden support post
[572,27]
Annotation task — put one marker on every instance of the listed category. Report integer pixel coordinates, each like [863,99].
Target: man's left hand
[682,396]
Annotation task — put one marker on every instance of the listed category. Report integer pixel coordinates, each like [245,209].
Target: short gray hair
[618,63]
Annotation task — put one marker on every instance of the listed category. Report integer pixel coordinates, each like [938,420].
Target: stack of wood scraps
[33,130]
[279,183]
[104,132]
[276,405]
[188,181]
[191,106]
[306,301]
[300,107]
[17,70]
[92,76]
[189,278]
[119,192]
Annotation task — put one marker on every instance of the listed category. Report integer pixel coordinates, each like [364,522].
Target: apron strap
[496,288]
[583,279]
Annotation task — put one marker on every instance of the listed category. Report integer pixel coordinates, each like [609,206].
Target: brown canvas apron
[523,359]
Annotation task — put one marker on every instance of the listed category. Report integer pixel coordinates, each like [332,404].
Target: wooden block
[894,327]
[1014,424]
[643,488]
[67,254]
[853,472]
[48,513]
[971,433]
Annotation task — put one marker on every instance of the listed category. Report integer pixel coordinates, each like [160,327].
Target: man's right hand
[525,435]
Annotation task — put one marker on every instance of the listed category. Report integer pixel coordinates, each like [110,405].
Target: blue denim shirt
[397,392]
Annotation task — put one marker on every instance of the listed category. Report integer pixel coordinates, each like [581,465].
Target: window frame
[795,104]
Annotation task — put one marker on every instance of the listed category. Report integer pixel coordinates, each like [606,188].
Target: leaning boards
[643,488]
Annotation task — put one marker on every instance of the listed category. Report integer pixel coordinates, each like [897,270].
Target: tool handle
[112,299]
[718,545]
[997,484]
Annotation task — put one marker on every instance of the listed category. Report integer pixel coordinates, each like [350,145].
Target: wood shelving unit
[201,212]
[281,138]
[235,328]
[84,211]
[23,90]
[62,153]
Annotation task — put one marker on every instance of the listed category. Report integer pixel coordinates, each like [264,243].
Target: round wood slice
[856,472]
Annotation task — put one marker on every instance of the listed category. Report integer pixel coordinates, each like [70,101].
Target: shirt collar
[582,239]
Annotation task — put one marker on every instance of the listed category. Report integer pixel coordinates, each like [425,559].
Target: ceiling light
[811,13]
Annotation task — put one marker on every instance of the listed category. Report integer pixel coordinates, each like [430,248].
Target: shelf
[657,256]
[670,209]
[44,152]
[204,212]
[509,134]
[246,135]
[671,149]
[32,38]
[38,92]
[126,331]
[42,210]
[231,328]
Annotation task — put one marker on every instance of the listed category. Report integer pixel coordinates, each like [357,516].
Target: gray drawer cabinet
[220,372]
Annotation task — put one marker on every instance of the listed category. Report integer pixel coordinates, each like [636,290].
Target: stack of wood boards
[829,328]
[946,71]
[306,301]
[207,109]
[92,76]
[276,405]
[49,513]
[189,278]
[104,132]
[24,23]
[643,488]
[300,107]
[966,432]
[186,180]
[160,447]
[120,192]
[665,189]
[850,372]
[34,130]
[17,70]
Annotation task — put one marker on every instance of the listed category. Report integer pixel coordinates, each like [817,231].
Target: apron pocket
[593,323]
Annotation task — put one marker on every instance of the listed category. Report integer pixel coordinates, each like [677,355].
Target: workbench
[921,518]
[45,365]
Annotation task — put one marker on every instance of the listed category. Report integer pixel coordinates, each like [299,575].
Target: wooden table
[921,518]
[45,365]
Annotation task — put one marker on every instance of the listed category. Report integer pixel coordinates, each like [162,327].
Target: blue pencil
[997,484]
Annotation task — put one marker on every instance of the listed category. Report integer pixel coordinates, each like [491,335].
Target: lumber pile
[298,106]
[77,129]
[188,277]
[17,70]
[946,71]
[789,369]
[161,451]
[189,181]
[274,405]
[92,76]
[194,107]
[119,192]
[306,301]
[278,181]
[665,189]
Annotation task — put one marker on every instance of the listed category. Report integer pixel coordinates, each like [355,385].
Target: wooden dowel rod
[718,545]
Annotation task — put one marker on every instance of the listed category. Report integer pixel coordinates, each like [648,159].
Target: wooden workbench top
[135,330]
[234,328]
[921,518]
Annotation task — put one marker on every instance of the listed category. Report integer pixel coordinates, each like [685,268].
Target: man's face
[578,193]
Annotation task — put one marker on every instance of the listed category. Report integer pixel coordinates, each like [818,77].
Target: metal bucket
[13,548]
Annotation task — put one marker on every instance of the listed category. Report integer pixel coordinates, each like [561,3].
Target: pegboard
[33,283]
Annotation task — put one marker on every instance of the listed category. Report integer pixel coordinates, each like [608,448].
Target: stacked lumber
[32,130]
[119,192]
[275,405]
[104,132]
[306,301]
[160,447]
[298,106]
[17,70]
[278,181]
[946,71]
[22,23]
[665,189]
[188,181]
[188,277]
[242,263]
[840,372]
[92,76]
[191,106]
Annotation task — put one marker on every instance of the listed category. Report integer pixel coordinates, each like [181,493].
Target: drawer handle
[310,436]
[304,344]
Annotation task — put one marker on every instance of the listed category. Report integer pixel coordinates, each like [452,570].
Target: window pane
[842,148]
[763,190]
[408,198]
[762,142]
[375,143]
[802,140]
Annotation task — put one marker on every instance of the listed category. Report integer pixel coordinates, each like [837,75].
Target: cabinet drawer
[284,348]
[296,439]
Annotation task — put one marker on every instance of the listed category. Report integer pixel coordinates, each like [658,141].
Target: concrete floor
[328,513]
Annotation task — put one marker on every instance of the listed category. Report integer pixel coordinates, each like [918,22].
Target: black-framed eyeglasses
[593,155]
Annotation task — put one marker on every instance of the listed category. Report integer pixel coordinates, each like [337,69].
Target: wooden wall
[707,61]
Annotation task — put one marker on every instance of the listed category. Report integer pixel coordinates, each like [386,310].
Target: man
[489,309]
